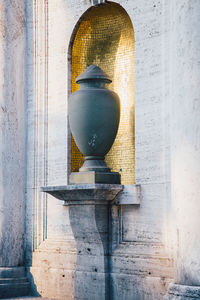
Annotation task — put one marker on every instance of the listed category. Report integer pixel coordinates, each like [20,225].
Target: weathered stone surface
[141,232]
[137,287]
[13,280]
[185,148]
[12,133]
[182,292]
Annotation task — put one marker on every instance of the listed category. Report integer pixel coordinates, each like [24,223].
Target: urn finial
[93,72]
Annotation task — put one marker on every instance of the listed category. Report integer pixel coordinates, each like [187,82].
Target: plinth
[94,171]
[89,218]
[13,282]
[93,177]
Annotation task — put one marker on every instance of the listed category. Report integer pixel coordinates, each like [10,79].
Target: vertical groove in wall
[46,122]
[40,121]
[36,125]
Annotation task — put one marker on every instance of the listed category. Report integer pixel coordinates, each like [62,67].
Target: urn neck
[93,83]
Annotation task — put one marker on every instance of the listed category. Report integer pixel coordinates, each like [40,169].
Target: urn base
[94,163]
[95,177]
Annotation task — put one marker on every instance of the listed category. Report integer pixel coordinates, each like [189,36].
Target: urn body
[94,114]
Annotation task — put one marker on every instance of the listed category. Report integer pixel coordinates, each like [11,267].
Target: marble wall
[12,148]
[35,150]
[12,132]
[141,241]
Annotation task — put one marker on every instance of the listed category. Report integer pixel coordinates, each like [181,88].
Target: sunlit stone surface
[13,281]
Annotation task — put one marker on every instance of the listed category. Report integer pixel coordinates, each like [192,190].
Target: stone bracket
[131,195]
[84,194]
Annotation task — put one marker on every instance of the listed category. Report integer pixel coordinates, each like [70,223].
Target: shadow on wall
[90,228]
[33,287]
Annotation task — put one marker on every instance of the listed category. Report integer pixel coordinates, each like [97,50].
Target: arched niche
[104,36]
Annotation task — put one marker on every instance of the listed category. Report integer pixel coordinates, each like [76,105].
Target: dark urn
[94,114]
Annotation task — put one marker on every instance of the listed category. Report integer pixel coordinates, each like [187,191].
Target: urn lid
[93,72]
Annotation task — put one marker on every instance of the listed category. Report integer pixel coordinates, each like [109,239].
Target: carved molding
[41,120]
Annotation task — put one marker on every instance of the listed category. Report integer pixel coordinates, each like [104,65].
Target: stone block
[95,177]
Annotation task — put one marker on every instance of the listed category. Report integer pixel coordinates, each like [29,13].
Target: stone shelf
[84,193]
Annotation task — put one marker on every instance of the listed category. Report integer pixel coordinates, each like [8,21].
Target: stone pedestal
[89,218]
[93,177]
[185,149]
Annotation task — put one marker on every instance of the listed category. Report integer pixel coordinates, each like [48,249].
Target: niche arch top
[104,36]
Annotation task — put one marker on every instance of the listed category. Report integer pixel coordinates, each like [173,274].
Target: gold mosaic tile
[105,37]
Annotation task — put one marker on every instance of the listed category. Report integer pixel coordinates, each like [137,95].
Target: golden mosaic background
[105,37]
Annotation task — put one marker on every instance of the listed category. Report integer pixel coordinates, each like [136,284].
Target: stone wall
[12,149]
[12,133]
[185,146]
[141,254]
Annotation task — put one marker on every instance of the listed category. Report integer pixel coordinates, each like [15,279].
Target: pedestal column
[185,148]
[89,218]
[12,148]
